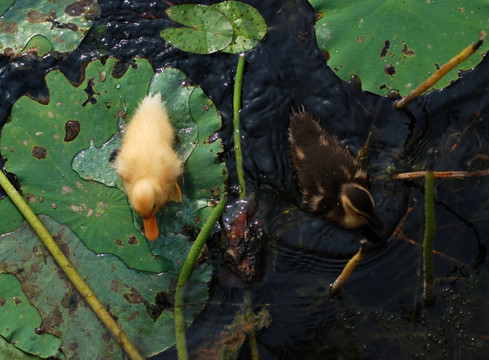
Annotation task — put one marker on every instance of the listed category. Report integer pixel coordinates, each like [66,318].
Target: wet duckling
[147,163]
[332,181]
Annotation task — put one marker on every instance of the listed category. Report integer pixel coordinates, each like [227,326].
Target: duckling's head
[145,199]
[358,205]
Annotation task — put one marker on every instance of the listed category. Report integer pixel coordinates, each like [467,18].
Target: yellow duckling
[147,163]
[332,181]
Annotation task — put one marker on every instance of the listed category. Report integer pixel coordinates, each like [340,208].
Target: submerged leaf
[205,30]
[96,162]
[10,352]
[19,319]
[401,43]
[141,302]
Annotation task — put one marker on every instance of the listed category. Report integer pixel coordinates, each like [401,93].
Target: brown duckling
[332,181]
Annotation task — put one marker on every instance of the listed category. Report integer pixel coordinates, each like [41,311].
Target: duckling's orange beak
[151,228]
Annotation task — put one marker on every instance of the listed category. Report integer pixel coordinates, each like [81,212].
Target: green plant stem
[238,81]
[250,315]
[186,271]
[69,270]
[429,196]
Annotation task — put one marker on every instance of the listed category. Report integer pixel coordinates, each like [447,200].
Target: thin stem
[432,80]
[349,267]
[236,129]
[251,334]
[69,270]
[442,174]
[186,271]
[429,196]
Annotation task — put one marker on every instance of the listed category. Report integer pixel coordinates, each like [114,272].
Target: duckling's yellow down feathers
[147,163]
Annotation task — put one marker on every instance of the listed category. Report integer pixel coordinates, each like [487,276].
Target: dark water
[379,313]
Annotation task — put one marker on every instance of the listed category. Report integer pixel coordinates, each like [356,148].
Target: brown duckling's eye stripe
[359,199]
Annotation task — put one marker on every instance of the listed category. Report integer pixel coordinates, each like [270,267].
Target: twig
[69,270]
[432,80]
[442,174]
[238,81]
[429,234]
[349,267]
[186,271]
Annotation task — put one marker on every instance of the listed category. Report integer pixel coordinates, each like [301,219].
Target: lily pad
[77,156]
[141,302]
[229,26]
[20,319]
[96,162]
[248,25]
[61,23]
[5,4]
[205,30]
[400,43]
[9,351]
[42,141]
[40,43]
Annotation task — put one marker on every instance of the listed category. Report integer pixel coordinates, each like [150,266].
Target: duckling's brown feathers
[326,171]
[322,165]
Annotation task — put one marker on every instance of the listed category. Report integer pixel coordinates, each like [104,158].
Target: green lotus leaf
[61,23]
[42,141]
[248,25]
[40,43]
[20,319]
[396,45]
[79,132]
[4,5]
[10,352]
[141,302]
[95,162]
[205,30]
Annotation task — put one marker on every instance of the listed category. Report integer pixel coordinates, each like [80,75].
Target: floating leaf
[205,30]
[4,5]
[141,302]
[248,25]
[62,23]
[43,139]
[401,43]
[10,352]
[20,319]
[96,162]
[40,43]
